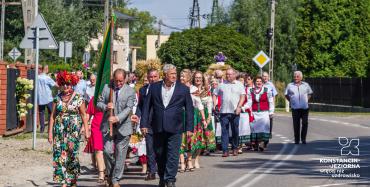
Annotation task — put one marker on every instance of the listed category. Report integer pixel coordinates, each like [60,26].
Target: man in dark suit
[152,76]
[167,100]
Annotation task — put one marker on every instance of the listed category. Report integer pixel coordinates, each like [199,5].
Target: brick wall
[3,92]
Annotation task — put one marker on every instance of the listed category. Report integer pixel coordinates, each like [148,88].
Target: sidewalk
[22,166]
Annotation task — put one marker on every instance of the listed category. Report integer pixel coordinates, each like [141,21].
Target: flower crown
[66,78]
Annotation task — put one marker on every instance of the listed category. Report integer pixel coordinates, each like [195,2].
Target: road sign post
[261,59]
[14,54]
[65,50]
[38,37]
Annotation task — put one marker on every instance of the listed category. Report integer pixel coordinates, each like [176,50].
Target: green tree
[195,48]
[334,38]
[252,18]
[73,22]
[14,30]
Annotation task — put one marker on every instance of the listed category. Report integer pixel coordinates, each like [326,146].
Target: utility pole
[30,11]
[106,15]
[195,15]
[271,37]
[215,11]
[2,29]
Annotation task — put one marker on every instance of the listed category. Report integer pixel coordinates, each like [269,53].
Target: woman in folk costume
[214,84]
[206,98]
[245,116]
[67,117]
[261,102]
[193,145]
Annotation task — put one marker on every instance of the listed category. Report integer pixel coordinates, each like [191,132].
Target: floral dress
[209,132]
[196,141]
[66,135]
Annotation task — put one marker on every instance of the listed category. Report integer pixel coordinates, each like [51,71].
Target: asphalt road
[283,163]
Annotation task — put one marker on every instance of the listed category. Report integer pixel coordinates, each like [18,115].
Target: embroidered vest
[263,103]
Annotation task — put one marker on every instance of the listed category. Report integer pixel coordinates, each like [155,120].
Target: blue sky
[175,12]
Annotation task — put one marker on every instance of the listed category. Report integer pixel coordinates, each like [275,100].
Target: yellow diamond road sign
[261,59]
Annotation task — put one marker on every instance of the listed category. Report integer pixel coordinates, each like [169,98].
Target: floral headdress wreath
[66,78]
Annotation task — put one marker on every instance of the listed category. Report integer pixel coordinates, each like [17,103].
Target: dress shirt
[269,85]
[81,87]
[44,93]
[167,93]
[298,94]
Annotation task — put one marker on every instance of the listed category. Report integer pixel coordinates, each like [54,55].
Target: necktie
[116,90]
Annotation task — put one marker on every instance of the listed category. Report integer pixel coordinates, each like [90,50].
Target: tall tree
[334,38]
[196,48]
[73,22]
[252,18]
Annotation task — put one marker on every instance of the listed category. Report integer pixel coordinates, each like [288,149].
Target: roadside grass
[48,152]
[27,136]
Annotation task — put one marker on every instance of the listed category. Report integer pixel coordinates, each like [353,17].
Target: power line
[168,26]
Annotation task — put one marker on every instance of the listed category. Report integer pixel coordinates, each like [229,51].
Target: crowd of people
[178,119]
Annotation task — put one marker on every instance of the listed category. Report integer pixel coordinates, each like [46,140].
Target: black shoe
[170,184]
[296,142]
[303,141]
[150,176]
[161,183]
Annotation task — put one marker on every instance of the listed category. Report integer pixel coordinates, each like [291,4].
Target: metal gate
[11,108]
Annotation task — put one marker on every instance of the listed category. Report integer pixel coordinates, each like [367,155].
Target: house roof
[123,16]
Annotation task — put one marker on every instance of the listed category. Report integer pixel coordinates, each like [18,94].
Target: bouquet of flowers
[22,88]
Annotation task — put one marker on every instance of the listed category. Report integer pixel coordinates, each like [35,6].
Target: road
[283,163]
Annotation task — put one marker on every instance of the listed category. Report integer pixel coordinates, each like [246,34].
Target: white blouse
[197,103]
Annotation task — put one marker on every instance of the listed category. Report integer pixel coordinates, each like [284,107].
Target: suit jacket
[143,92]
[170,118]
[122,109]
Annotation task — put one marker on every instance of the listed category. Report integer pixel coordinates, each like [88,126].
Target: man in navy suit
[152,76]
[167,99]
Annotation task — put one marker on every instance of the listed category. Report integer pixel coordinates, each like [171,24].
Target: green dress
[66,136]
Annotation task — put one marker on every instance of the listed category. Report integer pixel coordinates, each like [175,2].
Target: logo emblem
[349,146]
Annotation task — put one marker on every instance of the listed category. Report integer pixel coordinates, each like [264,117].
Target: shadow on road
[311,160]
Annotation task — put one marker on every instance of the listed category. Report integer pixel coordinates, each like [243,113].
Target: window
[115,57]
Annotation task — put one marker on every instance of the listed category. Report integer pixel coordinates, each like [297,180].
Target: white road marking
[249,174]
[259,177]
[333,121]
[341,184]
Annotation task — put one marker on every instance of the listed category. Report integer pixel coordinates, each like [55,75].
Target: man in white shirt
[232,94]
[298,93]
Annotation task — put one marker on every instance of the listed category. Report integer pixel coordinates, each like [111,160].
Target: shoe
[101,178]
[190,166]
[240,151]
[150,176]
[296,142]
[303,141]
[225,154]
[170,184]
[235,152]
[161,183]
[182,167]
[116,185]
